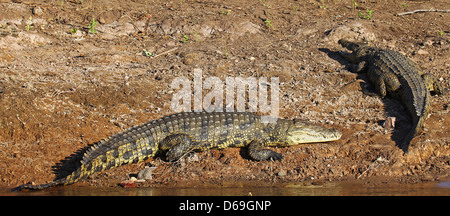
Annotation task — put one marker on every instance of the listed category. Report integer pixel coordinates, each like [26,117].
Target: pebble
[422,52]
[428,43]
[101,20]
[170,44]
[37,11]
[193,158]
[389,123]
[282,173]
[190,58]
[146,173]
[128,183]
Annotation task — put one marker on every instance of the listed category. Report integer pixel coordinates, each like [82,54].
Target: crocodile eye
[356,46]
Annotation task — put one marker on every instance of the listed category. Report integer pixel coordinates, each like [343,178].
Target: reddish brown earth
[63,89]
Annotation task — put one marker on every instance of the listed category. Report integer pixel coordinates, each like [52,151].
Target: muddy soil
[67,82]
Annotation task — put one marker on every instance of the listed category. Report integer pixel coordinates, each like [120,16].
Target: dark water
[329,189]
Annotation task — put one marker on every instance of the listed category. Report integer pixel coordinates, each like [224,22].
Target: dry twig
[378,162]
[166,52]
[423,11]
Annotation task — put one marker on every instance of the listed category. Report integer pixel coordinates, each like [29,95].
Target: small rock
[422,52]
[428,43]
[193,158]
[101,20]
[37,11]
[206,31]
[249,27]
[146,173]
[391,44]
[282,173]
[169,44]
[354,31]
[190,58]
[77,34]
[389,123]
[128,183]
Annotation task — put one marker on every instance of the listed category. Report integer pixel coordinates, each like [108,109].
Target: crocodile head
[304,132]
[360,50]
[353,46]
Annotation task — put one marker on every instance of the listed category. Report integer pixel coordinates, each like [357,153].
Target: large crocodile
[395,75]
[177,134]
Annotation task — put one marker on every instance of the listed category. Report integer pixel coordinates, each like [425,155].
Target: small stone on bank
[389,123]
[146,173]
[282,173]
[421,52]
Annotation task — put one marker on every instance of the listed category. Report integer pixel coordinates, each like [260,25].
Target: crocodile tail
[417,128]
[406,141]
[75,176]
[36,187]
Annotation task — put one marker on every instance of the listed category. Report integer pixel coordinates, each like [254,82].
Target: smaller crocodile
[395,75]
[175,135]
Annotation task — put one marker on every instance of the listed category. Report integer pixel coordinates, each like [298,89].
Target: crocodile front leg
[432,84]
[359,65]
[258,153]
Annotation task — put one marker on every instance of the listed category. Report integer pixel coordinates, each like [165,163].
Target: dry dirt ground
[65,85]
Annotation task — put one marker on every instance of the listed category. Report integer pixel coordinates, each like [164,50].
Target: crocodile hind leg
[384,82]
[258,153]
[177,145]
[432,84]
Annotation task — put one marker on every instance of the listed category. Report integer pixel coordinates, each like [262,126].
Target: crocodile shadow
[392,107]
[69,164]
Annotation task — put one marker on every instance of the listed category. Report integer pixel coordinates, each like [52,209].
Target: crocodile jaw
[302,132]
[353,46]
